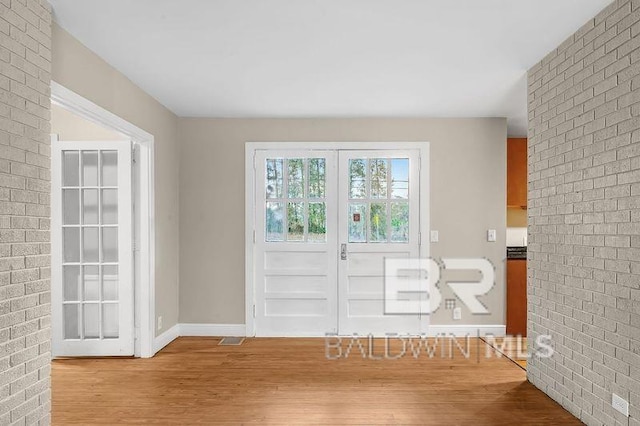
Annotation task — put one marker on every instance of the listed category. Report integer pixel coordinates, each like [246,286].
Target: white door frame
[144,220]
[250,178]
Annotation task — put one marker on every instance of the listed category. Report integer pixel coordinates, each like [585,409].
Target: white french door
[92,257]
[296,267]
[325,220]
[378,219]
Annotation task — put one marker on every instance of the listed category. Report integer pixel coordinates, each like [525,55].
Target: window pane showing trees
[300,185]
[379,200]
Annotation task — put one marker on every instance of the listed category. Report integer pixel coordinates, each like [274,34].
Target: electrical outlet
[457,314]
[435,237]
[620,404]
[159,323]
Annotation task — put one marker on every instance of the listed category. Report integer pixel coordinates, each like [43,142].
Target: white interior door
[92,257]
[295,242]
[378,218]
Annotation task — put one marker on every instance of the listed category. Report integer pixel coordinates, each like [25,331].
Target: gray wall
[82,71]
[25,72]
[468,196]
[584,216]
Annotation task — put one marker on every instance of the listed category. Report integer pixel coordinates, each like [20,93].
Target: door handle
[343,252]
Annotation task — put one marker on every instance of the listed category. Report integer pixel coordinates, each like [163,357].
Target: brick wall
[584,216]
[25,56]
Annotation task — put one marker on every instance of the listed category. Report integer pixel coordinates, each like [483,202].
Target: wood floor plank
[290,381]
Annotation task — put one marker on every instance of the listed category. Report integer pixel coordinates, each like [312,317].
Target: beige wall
[80,70]
[468,196]
[71,127]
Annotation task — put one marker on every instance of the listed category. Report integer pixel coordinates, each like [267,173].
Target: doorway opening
[115,218]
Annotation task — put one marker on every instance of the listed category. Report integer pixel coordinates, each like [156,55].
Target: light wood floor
[514,348]
[290,381]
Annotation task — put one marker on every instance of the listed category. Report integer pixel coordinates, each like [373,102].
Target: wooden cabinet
[517,297]
[517,172]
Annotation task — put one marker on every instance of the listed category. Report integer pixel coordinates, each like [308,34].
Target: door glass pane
[296,178]
[316,177]
[90,206]
[357,223]
[357,178]
[110,282]
[91,280]
[90,168]
[109,168]
[109,206]
[71,319]
[274,221]
[91,320]
[378,173]
[400,222]
[71,278]
[109,244]
[317,222]
[378,220]
[110,320]
[275,178]
[71,244]
[400,178]
[71,206]
[295,220]
[71,168]
[90,245]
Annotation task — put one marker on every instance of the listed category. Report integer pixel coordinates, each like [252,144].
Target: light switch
[491,235]
[435,237]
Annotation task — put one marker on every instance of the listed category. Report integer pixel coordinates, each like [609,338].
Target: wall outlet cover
[159,323]
[620,404]
[457,313]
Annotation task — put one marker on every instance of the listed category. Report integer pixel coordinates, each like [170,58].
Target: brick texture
[584,216]
[25,75]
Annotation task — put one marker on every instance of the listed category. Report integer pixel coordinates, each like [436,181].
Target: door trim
[144,300]
[250,178]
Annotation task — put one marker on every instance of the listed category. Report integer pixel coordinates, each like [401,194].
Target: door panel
[295,243]
[92,273]
[378,219]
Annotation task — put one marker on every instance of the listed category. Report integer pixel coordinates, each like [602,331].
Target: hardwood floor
[514,348]
[290,381]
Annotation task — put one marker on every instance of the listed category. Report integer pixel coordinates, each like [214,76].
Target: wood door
[517,297]
[517,172]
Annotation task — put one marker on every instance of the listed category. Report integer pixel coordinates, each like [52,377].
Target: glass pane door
[92,291]
[90,244]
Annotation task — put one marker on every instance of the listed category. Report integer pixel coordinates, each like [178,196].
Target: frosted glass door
[92,292]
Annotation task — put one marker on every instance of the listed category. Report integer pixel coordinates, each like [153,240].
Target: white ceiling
[329,58]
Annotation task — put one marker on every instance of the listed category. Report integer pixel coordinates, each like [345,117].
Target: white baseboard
[467,330]
[165,338]
[221,330]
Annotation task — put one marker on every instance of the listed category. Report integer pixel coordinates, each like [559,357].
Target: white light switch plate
[491,235]
[435,236]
